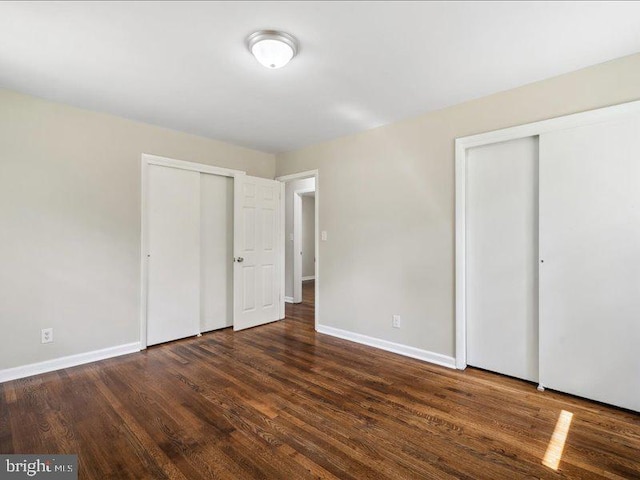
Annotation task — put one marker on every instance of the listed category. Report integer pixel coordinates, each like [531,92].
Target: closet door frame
[146,161]
[590,117]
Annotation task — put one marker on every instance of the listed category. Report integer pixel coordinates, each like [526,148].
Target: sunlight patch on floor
[553,455]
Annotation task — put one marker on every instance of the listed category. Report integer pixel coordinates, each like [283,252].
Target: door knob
[239,259]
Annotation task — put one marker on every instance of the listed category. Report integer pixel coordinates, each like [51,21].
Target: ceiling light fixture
[272,48]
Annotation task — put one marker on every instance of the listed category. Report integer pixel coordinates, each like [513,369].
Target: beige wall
[70,222]
[387,204]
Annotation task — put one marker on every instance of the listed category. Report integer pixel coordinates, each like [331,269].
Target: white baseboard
[66,362]
[312,277]
[399,348]
[288,299]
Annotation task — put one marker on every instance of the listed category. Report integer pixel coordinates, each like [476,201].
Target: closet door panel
[502,257]
[590,261]
[173,303]
[216,259]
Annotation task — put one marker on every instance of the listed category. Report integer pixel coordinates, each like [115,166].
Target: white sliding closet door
[173,303]
[216,214]
[590,249]
[502,257]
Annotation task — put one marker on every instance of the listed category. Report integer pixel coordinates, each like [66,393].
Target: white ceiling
[184,65]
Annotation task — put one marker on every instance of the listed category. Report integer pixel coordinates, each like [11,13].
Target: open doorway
[301,249]
[304,248]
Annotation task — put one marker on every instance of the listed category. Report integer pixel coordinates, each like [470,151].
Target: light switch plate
[323,235]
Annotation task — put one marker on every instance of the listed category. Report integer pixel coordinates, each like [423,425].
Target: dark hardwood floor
[281,401]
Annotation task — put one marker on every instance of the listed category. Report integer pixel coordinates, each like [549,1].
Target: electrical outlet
[395,322]
[47,335]
[323,235]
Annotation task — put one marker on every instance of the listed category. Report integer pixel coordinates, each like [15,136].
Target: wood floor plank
[6,433]
[282,401]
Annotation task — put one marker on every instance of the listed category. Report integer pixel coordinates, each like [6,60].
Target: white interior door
[502,257]
[216,252]
[173,302]
[590,249]
[258,252]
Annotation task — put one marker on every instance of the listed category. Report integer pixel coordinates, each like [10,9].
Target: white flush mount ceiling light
[272,48]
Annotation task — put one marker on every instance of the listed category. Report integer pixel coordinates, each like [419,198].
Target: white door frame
[297,242]
[461,145]
[144,237]
[297,176]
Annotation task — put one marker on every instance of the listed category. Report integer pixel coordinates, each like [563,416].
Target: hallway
[304,311]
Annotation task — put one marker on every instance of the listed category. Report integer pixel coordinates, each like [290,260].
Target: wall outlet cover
[47,335]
